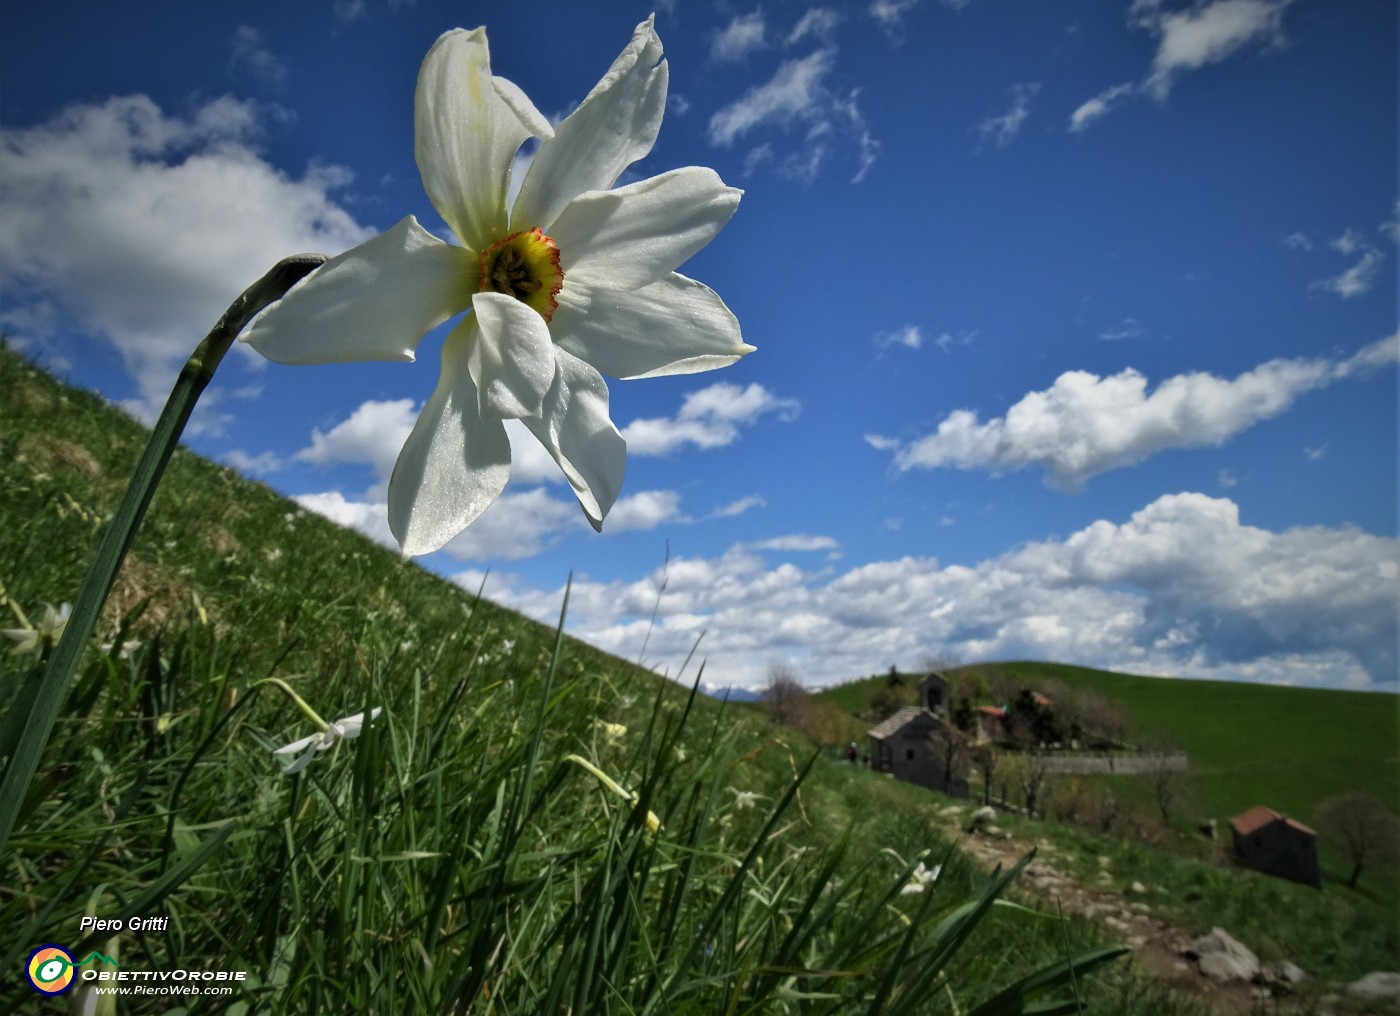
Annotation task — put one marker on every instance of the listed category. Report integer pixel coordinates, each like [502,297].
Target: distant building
[933,693]
[991,723]
[1271,842]
[912,745]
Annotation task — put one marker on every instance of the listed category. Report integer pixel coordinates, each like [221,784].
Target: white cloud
[1207,34]
[350,11]
[372,435]
[254,465]
[797,95]
[1100,105]
[742,36]
[947,340]
[252,56]
[890,14]
[141,228]
[1297,241]
[738,507]
[1128,328]
[796,542]
[1182,588]
[646,509]
[1003,129]
[910,337]
[1349,243]
[708,418]
[794,92]
[1355,280]
[818,21]
[1083,424]
[368,517]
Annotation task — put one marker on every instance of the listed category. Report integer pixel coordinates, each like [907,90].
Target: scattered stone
[992,830]
[984,815]
[1137,887]
[1105,877]
[1222,958]
[1376,987]
[1104,862]
[1139,908]
[1138,941]
[1289,974]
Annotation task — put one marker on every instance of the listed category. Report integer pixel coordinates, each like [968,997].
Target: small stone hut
[910,744]
[1271,842]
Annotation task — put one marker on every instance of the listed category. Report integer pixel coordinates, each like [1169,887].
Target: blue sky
[1076,321]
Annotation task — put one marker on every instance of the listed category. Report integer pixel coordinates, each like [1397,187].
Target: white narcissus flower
[47,633]
[342,729]
[574,281]
[921,878]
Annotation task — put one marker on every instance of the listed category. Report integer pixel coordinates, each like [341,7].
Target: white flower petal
[467,128]
[454,464]
[374,302]
[613,127]
[675,326]
[302,762]
[512,359]
[350,726]
[638,234]
[574,427]
[296,746]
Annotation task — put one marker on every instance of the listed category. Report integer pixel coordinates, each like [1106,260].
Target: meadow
[526,825]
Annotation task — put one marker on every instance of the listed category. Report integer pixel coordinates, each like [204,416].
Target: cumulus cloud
[519,524]
[708,418]
[1083,424]
[797,96]
[139,228]
[1297,241]
[1003,129]
[742,36]
[1182,588]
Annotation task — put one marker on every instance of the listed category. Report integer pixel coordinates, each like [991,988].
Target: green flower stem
[194,378]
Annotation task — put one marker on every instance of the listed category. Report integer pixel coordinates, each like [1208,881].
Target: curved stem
[165,435]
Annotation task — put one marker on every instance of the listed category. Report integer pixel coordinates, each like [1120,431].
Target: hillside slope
[525,825]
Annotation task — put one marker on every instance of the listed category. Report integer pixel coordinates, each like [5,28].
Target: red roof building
[1271,842]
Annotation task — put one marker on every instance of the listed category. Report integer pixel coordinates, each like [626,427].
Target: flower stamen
[525,265]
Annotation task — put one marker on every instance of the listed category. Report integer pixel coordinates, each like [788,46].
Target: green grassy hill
[1288,748]
[528,826]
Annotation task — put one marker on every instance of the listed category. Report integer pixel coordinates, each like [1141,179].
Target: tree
[1363,827]
[985,757]
[1105,723]
[1167,781]
[785,696]
[950,747]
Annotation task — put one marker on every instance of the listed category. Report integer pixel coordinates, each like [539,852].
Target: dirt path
[1158,946]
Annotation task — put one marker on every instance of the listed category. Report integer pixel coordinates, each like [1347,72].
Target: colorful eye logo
[50,970]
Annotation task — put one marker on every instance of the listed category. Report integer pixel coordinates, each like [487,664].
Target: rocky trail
[1214,968]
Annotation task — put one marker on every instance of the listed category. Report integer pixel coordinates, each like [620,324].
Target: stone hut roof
[1259,816]
[889,727]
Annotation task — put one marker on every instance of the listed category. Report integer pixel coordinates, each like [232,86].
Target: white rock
[1378,986]
[1222,958]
